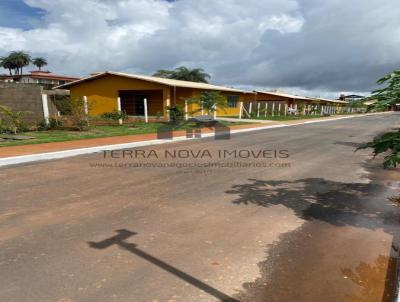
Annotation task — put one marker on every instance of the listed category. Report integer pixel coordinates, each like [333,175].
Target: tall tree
[7,63]
[39,62]
[20,60]
[184,74]
[388,143]
[389,95]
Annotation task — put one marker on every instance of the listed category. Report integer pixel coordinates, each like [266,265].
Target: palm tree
[20,59]
[184,74]
[193,75]
[7,63]
[39,62]
[163,73]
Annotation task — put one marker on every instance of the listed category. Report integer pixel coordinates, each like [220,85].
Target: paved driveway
[316,226]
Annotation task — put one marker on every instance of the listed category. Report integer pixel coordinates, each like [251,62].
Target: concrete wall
[23,97]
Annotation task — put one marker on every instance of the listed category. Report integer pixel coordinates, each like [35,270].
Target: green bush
[53,124]
[387,98]
[3,126]
[114,115]
[11,121]
[78,116]
[159,114]
[209,101]
[176,113]
[253,115]
[386,143]
[63,104]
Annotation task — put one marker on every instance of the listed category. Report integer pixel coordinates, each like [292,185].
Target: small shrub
[114,115]
[176,113]
[53,124]
[78,116]
[11,121]
[62,103]
[210,101]
[253,115]
[159,114]
[42,126]
[388,142]
[3,127]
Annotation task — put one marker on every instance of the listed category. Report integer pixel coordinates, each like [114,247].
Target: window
[44,81]
[232,101]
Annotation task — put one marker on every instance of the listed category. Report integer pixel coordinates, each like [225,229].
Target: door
[139,104]
[132,103]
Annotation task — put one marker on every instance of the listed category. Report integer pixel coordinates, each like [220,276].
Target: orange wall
[184,93]
[102,93]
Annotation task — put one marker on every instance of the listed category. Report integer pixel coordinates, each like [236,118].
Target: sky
[311,47]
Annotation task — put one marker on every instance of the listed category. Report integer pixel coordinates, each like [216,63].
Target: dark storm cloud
[309,45]
[343,45]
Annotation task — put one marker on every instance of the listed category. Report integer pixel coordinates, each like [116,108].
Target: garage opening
[132,101]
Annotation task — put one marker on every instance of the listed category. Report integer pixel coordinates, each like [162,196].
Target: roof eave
[67,85]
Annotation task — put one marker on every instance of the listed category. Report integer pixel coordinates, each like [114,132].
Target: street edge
[15,160]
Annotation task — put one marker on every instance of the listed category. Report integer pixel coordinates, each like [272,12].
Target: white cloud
[314,45]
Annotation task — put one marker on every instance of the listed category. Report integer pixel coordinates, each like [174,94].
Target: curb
[397,289]
[14,160]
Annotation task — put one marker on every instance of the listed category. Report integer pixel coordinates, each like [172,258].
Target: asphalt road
[314,226]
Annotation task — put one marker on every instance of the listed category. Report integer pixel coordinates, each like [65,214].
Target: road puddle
[376,281]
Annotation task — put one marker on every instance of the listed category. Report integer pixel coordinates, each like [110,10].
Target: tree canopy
[17,60]
[39,62]
[388,143]
[20,60]
[389,95]
[184,74]
[8,63]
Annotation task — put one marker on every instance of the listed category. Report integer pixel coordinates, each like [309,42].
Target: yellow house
[107,90]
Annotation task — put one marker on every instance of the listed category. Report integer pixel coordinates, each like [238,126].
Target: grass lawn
[95,132]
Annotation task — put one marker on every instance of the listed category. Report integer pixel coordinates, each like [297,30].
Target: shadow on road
[290,271]
[334,202]
[124,234]
[355,145]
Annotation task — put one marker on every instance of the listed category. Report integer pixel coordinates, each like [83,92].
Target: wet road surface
[316,226]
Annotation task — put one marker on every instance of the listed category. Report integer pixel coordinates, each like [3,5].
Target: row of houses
[149,96]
